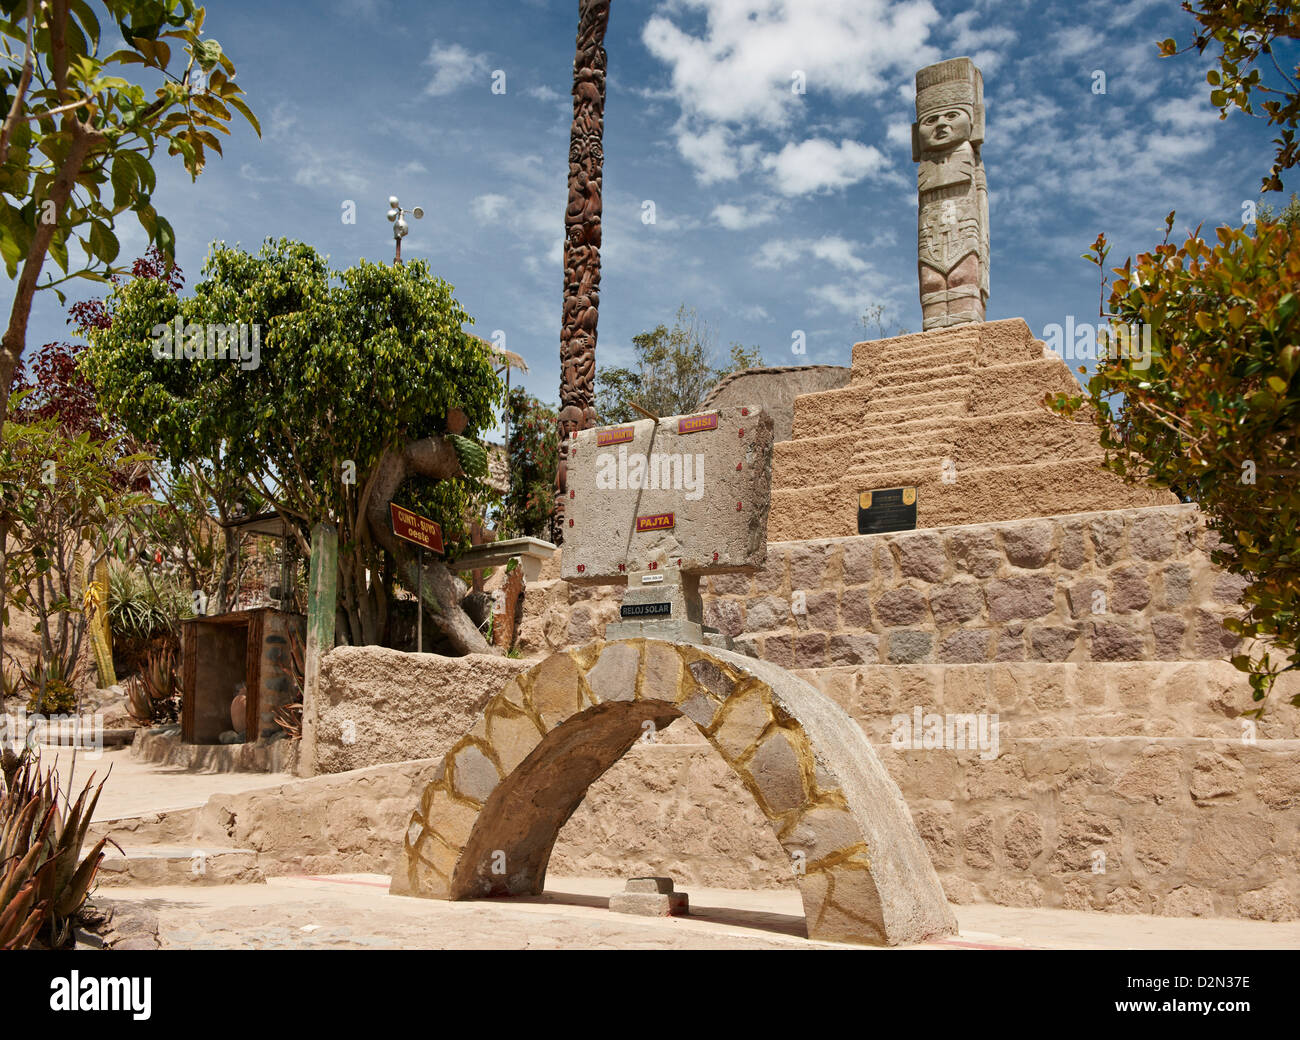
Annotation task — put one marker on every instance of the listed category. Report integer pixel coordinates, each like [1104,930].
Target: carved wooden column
[582,242]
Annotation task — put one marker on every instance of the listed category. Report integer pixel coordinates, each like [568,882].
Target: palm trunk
[582,241]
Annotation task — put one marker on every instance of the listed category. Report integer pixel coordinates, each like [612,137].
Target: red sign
[620,435]
[416,528]
[656,522]
[698,423]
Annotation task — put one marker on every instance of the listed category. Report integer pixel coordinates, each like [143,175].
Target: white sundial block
[683,496]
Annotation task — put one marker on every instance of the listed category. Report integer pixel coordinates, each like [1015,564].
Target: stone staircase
[164,848]
[956,413]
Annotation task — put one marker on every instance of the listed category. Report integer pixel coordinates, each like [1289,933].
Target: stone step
[816,415]
[994,342]
[900,375]
[174,827]
[868,353]
[179,865]
[163,745]
[981,442]
[979,495]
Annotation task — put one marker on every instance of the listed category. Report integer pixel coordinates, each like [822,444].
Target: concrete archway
[487,822]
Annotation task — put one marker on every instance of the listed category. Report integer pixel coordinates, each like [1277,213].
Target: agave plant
[49,688]
[44,880]
[153,696]
[289,716]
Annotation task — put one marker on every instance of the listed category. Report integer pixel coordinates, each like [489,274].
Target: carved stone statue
[953,244]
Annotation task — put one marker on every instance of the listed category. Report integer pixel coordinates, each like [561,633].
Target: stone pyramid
[956,413]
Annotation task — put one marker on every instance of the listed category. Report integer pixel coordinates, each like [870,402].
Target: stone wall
[1177,827]
[1127,585]
[379,705]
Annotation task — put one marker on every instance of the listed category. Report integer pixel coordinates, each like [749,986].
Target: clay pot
[238,707]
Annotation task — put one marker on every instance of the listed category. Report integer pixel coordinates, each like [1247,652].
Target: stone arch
[487,822]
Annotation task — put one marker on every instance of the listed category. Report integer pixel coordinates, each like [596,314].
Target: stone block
[909,646]
[975,551]
[965,646]
[649,492]
[1129,590]
[1028,545]
[899,607]
[957,602]
[646,904]
[853,648]
[922,555]
[1020,596]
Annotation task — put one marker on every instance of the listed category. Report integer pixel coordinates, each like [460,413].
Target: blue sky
[774,212]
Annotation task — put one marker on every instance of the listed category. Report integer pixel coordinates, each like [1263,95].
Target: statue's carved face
[945,129]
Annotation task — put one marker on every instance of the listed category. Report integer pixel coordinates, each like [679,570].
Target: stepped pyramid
[970,394]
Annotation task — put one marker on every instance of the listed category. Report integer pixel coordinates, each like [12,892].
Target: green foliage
[533,451]
[1216,414]
[49,689]
[351,365]
[139,609]
[1288,216]
[154,695]
[57,492]
[673,371]
[1246,32]
[82,118]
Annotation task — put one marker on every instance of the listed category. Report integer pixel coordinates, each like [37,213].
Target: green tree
[1215,410]
[533,453]
[365,389]
[56,487]
[79,138]
[1246,34]
[674,371]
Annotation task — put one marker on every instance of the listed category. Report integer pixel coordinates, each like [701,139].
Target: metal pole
[419,602]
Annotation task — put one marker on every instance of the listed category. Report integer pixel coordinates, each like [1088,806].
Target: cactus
[472,455]
[153,696]
[43,878]
[101,635]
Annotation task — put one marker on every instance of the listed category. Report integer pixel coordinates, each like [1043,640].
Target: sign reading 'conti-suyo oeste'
[416,528]
[684,493]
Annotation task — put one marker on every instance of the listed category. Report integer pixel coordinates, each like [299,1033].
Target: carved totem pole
[582,242]
[953,246]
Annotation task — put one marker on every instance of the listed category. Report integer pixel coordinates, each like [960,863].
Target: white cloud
[821,165]
[454,67]
[733,77]
[738,218]
[1187,114]
[900,134]
[1077,40]
[740,70]
[711,153]
[544,93]
[838,252]
[488,208]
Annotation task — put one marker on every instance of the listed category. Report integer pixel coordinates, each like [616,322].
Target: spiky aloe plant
[44,880]
[153,696]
